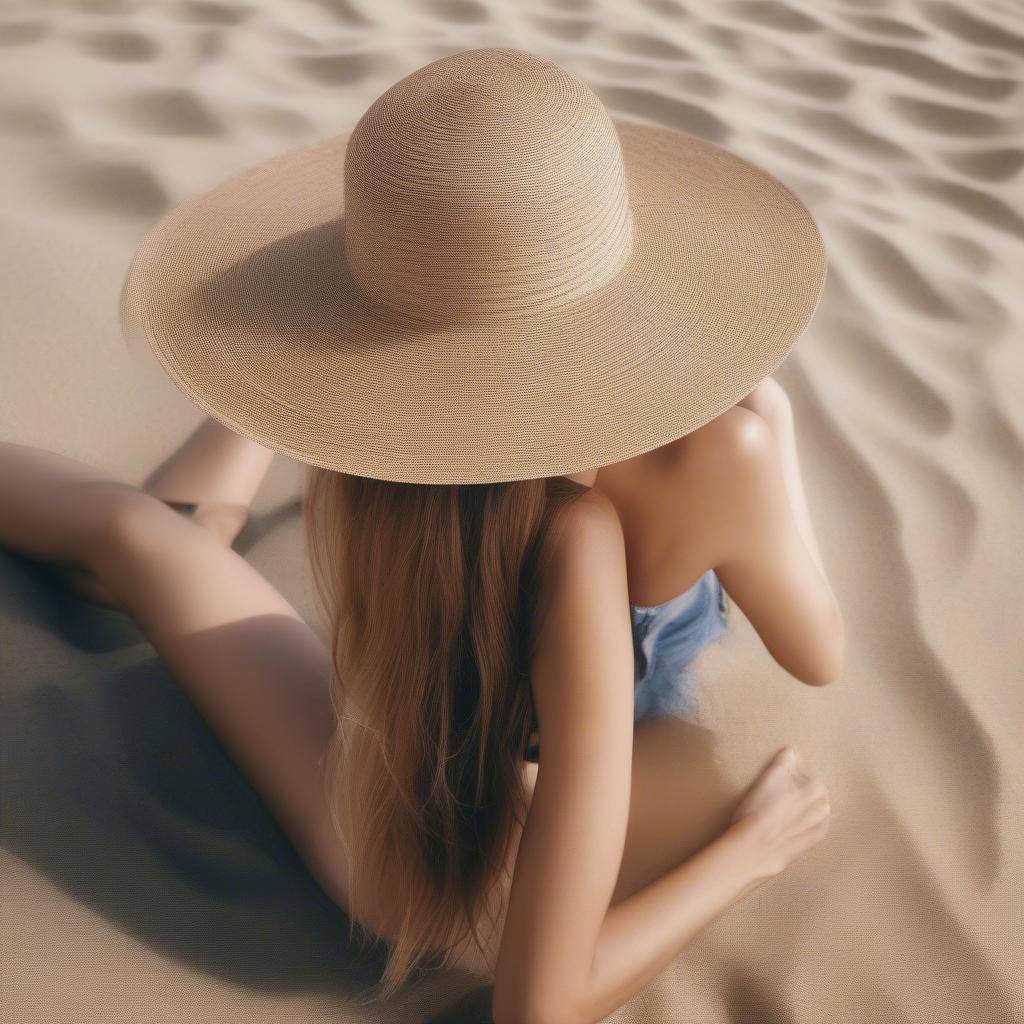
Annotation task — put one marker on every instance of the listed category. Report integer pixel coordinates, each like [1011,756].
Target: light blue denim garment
[666,638]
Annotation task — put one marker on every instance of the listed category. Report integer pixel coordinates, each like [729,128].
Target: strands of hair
[432,595]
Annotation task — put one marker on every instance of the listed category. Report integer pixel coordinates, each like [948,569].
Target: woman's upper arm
[763,562]
[571,848]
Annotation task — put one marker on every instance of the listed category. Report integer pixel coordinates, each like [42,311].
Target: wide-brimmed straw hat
[487,279]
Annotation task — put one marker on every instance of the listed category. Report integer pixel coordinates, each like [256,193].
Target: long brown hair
[432,594]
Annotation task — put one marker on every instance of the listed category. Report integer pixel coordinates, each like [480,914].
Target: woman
[448,390]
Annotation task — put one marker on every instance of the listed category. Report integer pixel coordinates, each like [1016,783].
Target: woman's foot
[213,478]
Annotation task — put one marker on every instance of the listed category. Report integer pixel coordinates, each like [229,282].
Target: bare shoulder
[591,519]
[735,438]
[590,545]
[590,533]
[587,583]
[708,479]
[736,467]
[716,463]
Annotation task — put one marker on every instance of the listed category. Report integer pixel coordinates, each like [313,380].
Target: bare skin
[608,884]
[673,843]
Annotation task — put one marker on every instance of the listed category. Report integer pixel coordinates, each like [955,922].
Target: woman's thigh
[241,652]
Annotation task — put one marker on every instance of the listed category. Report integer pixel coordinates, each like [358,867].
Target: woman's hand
[782,815]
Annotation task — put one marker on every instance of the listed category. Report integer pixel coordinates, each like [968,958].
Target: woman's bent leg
[52,508]
[241,652]
[243,655]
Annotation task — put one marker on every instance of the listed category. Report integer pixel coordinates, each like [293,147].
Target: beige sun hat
[487,279]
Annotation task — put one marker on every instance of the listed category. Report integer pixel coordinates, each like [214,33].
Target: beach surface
[141,878]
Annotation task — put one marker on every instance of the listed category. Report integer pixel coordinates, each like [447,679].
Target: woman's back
[638,493]
[669,507]
[640,484]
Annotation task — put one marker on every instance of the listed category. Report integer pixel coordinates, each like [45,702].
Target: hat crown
[487,183]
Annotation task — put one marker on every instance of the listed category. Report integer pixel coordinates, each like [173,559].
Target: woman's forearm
[644,932]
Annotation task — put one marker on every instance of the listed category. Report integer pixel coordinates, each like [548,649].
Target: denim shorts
[666,638]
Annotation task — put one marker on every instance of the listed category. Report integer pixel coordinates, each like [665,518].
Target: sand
[142,879]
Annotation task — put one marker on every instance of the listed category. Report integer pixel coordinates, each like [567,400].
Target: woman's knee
[128,523]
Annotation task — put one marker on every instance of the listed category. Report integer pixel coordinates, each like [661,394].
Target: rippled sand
[141,878]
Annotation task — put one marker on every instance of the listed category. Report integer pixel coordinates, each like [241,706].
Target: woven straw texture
[487,279]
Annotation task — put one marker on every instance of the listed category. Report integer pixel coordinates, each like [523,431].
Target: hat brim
[244,294]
